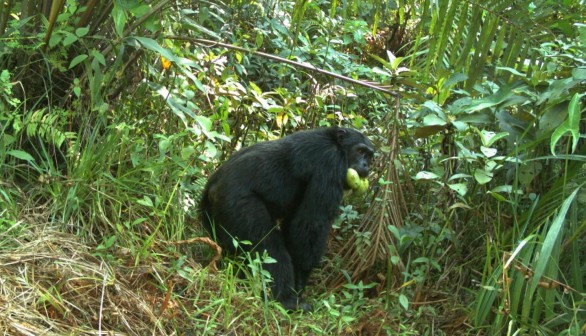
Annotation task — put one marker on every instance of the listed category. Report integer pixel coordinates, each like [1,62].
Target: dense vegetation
[113,114]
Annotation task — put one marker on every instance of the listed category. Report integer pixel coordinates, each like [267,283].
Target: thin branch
[305,65]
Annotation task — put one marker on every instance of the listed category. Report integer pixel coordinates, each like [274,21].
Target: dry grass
[52,285]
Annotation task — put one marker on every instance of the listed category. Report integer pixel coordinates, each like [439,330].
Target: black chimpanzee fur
[296,181]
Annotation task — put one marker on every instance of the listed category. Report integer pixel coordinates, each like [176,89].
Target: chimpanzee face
[360,158]
[358,148]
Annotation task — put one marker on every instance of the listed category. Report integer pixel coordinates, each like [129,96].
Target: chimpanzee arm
[306,233]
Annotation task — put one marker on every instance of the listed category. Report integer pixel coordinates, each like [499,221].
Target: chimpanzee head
[359,150]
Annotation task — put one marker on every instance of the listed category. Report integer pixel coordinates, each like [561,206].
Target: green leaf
[187,152]
[497,196]
[164,145]
[433,120]
[500,96]
[78,59]
[394,231]
[69,39]
[460,188]
[21,155]
[579,74]
[211,151]
[459,176]
[488,152]
[275,109]
[424,175]
[551,118]
[98,57]
[81,32]
[506,188]
[455,79]
[482,176]
[197,27]
[488,137]
[139,10]
[119,17]
[404,301]
[204,122]
[552,236]
[460,125]
[571,125]
[511,70]
[55,39]
[528,171]
[146,201]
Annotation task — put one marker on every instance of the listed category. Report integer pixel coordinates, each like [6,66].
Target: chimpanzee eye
[362,151]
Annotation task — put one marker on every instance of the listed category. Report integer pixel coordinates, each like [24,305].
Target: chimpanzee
[282,196]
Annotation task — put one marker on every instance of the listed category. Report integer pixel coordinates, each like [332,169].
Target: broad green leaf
[394,231]
[552,117]
[153,45]
[187,152]
[98,57]
[554,233]
[482,176]
[164,145]
[433,120]
[488,137]
[488,152]
[69,39]
[528,171]
[78,59]
[119,17]
[404,301]
[460,125]
[579,74]
[433,106]
[275,109]
[500,96]
[146,201]
[211,151]
[139,10]
[459,175]
[204,122]
[460,188]
[511,70]
[197,27]
[424,175]
[571,125]
[55,39]
[81,32]
[506,188]
[455,79]
[497,196]
[21,155]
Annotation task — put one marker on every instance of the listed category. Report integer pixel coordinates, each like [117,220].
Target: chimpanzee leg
[249,220]
[306,247]
[283,283]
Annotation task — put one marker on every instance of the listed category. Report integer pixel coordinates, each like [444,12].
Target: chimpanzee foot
[297,304]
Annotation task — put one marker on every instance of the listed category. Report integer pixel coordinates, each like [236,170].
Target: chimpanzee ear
[341,134]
